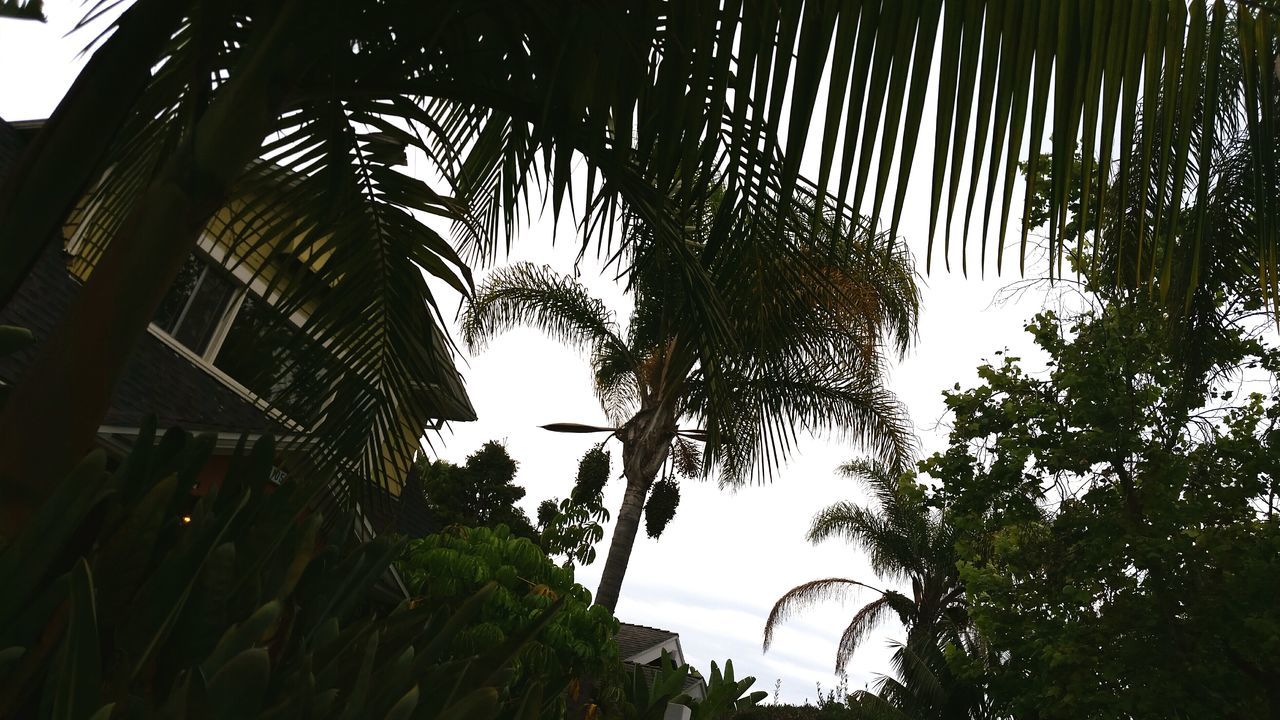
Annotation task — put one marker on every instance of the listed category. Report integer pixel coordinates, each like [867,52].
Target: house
[642,647]
[201,364]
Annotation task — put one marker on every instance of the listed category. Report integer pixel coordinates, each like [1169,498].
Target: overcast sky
[727,556]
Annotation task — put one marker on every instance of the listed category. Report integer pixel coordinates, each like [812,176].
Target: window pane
[269,355]
[176,299]
[207,306]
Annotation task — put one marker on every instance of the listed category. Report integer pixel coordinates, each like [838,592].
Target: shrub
[445,569]
[128,597]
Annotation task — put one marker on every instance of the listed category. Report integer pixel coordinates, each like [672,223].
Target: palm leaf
[536,296]
[804,596]
[22,9]
[863,622]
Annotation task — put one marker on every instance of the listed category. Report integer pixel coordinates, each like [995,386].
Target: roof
[636,640]
[640,646]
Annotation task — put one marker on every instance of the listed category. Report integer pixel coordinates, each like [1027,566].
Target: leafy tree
[481,492]
[191,104]
[806,354]
[1120,510]
[905,540]
[446,569]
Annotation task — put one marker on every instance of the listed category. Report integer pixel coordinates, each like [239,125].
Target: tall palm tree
[807,354]
[186,97]
[905,540]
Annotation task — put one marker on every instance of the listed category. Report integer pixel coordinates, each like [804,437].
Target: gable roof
[640,647]
[641,641]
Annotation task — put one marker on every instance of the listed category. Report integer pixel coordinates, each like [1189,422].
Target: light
[186,519]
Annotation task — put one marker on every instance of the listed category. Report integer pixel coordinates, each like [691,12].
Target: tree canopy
[1122,520]
[479,493]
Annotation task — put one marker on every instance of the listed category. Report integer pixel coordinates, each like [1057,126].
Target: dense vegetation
[479,493]
[1098,540]
[810,360]
[447,569]
[131,597]
[1123,533]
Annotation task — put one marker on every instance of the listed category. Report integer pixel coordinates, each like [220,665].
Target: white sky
[727,556]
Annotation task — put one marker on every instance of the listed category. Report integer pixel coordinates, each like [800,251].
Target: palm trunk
[646,441]
[51,417]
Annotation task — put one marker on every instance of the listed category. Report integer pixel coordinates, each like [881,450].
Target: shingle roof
[636,639]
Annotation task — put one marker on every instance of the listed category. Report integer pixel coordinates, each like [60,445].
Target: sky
[727,555]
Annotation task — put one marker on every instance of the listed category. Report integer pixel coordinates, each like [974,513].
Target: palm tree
[270,105]
[807,355]
[184,99]
[905,541]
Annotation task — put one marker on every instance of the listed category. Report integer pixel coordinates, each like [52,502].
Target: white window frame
[218,256]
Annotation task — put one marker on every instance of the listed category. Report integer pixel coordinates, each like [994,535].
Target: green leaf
[75,679]
[240,685]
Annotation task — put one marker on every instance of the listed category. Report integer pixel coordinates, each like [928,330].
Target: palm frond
[22,9]
[875,707]
[803,596]
[537,296]
[916,673]
[863,622]
[616,384]
[776,403]
[686,458]
[893,550]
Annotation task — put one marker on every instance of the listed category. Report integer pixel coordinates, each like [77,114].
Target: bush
[127,597]
[447,568]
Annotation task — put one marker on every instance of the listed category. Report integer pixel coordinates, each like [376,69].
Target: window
[196,304]
[231,328]
[271,357]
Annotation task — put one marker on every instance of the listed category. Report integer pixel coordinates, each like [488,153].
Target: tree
[518,582]
[1122,519]
[905,540]
[479,493]
[806,354]
[270,106]
[191,104]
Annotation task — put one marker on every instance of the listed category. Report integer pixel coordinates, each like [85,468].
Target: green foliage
[1119,508]
[648,690]
[726,695]
[908,541]
[446,569]
[572,527]
[128,597]
[661,506]
[481,492]
[810,333]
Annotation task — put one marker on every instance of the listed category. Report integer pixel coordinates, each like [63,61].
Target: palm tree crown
[811,333]
[905,541]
